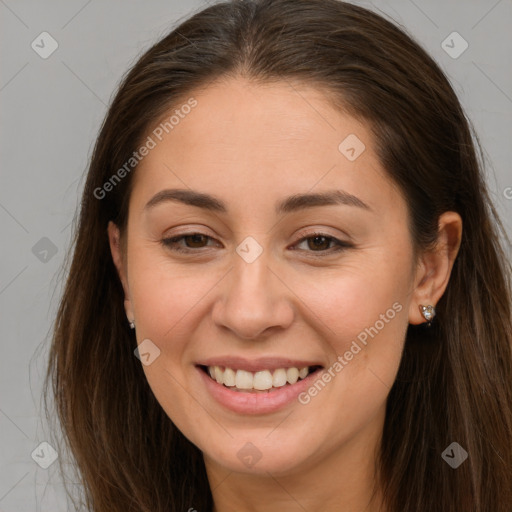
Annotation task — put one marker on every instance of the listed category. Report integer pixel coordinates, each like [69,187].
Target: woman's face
[271,281]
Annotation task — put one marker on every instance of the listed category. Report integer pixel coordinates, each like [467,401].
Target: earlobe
[129,313]
[435,269]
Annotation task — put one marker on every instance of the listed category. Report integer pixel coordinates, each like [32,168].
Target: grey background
[51,111]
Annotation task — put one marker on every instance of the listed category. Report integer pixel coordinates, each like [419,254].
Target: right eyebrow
[190,197]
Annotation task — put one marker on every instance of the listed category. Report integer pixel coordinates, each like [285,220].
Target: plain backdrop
[51,110]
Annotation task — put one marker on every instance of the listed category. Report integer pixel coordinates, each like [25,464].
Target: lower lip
[256,403]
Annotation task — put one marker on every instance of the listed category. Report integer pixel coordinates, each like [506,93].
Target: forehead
[236,113]
[260,141]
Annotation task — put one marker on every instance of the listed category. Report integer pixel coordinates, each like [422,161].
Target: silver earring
[428,312]
[132,325]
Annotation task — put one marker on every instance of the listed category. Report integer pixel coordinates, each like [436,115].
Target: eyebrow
[290,204]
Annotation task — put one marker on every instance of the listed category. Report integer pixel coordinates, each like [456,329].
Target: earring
[428,312]
[132,325]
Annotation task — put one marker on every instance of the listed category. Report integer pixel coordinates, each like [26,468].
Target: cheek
[347,301]
[362,313]
[168,303]
[165,296]
[364,334]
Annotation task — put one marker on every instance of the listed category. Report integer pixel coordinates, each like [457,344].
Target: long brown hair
[455,379]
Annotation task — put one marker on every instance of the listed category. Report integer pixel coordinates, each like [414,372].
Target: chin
[258,455]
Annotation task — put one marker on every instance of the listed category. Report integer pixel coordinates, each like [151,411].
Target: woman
[287,290]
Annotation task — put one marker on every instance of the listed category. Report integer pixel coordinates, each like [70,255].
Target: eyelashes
[172,243]
[312,240]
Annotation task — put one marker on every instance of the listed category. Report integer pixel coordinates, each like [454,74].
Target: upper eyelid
[302,238]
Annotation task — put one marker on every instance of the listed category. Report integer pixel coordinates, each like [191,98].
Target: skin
[252,145]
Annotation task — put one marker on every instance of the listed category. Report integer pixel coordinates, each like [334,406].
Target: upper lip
[258,364]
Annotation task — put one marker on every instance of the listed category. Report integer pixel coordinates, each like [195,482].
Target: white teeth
[292,375]
[279,378]
[218,374]
[303,373]
[260,381]
[244,380]
[229,377]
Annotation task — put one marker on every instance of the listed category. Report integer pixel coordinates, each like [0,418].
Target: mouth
[262,381]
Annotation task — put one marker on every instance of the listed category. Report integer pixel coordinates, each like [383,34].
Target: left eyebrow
[290,204]
[332,197]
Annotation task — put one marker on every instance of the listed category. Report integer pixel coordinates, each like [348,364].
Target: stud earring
[428,312]
[132,325]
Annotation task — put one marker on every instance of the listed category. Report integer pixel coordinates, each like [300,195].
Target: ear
[435,266]
[114,238]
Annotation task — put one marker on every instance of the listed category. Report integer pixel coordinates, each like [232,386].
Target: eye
[192,240]
[316,243]
[320,242]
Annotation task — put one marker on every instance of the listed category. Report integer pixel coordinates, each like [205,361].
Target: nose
[253,301]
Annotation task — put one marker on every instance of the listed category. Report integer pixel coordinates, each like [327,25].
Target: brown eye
[322,244]
[196,240]
[191,241]
[319,242]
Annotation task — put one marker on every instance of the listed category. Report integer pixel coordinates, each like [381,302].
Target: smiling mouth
[264,381]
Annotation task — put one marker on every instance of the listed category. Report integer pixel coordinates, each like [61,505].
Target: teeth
[229,377]
[244,380]
[260,381]
[279,378]
[292,375]
[218,374]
